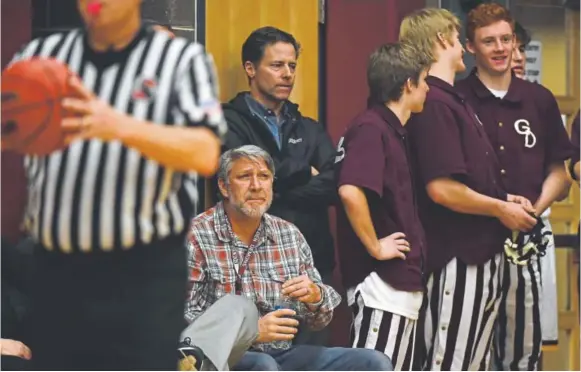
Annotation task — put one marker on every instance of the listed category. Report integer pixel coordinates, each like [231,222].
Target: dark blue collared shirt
[273,122]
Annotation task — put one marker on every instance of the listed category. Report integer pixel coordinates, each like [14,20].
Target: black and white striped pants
[461,310]
[517,340]
[528,313]
[391,334]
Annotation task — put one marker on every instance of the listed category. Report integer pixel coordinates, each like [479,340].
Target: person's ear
[250,69]
[223,189]
[408,86]
[442,40]
[470,47]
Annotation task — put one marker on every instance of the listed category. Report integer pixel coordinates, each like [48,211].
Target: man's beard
[256,212]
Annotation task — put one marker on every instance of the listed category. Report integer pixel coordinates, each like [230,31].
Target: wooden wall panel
[228,24]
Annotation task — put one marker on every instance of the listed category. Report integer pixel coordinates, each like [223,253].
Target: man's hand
[14,348]
[515,217]
[527,205]
[303,289]
[91,117]
[314,172]
[277,326]
[393,246]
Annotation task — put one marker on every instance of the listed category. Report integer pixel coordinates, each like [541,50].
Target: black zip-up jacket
[298,197]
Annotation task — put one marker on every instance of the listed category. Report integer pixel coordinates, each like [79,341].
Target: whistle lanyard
[240,266]
[241,263]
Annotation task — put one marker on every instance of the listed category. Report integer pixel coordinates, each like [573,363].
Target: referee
[110,212]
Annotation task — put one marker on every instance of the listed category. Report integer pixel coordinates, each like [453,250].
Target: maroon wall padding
[354,28]
[16,31]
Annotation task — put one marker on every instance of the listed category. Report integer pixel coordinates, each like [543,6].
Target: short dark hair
[522,35]
[389,68]
[254,46]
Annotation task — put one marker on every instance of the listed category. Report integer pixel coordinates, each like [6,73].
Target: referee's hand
[393,246]
[91,117]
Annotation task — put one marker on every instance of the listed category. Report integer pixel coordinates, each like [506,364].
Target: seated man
[238,251]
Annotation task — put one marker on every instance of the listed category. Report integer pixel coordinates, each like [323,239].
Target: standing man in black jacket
[302,151]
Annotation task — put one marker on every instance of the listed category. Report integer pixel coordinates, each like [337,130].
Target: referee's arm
[194,147]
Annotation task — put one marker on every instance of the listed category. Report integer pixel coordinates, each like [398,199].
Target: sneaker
[190,357]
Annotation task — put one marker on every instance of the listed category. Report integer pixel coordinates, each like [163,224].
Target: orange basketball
[32,91]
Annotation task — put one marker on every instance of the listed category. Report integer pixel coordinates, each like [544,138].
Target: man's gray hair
[251,152]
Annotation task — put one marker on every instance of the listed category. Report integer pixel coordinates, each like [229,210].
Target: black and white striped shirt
[98,195]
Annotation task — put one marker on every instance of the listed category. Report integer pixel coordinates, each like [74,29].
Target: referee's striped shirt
[98,195]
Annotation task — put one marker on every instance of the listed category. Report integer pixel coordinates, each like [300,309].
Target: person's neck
[400,110]
[275,106]
[442,70]
[115,37]
[243,226]
[494,82]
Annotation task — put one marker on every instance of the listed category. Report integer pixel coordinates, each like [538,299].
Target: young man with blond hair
[380,221]
[523,123]
[465,212]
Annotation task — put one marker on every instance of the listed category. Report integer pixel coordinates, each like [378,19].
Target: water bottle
[284,302]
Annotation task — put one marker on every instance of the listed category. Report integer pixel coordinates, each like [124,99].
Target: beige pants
[225,331]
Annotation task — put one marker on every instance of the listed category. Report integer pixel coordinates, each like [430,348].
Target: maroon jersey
[525,129]
[448,141]
[373,155]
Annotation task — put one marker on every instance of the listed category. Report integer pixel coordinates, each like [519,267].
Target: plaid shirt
[277,253]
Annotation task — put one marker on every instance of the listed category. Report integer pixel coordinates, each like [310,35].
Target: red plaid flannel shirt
[277,253]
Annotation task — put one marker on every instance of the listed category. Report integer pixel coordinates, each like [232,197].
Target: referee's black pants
[121,310]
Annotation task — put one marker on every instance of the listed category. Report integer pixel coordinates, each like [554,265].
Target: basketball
[32,91]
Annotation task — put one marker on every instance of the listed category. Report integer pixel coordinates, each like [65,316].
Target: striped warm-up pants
[460,315]
[528,312]
[392,334]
